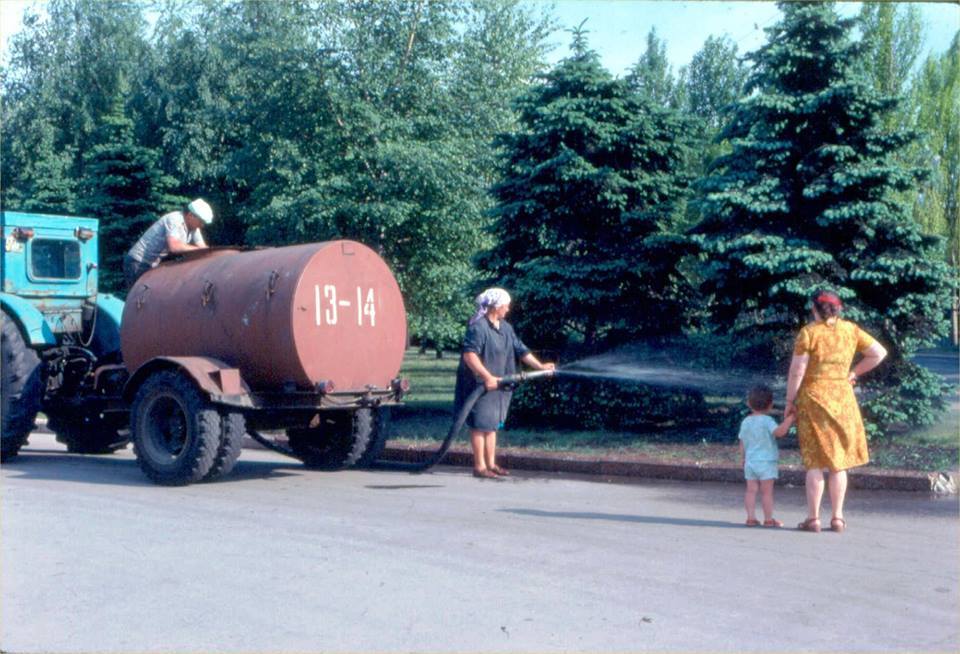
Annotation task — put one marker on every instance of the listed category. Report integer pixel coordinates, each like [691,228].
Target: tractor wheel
[88,434]
[176,431]
[342,439]
[233,428]
[21,389]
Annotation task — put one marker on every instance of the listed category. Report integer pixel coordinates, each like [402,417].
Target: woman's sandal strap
[810,524]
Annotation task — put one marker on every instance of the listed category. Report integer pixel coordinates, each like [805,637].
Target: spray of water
[668,369]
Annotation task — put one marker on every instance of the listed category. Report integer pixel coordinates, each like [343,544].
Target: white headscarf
[490,298]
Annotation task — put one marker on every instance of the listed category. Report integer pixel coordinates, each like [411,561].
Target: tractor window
[55,258]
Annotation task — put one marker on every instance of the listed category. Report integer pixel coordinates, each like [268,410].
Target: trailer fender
[33,326]
[220,382]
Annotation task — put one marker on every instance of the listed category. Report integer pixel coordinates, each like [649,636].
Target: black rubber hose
[436,457]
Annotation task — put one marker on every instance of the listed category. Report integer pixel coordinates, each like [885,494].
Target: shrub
[591,404]
[903,395]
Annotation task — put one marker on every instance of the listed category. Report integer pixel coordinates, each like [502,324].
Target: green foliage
[652,76]
[298,120]
[936,99]
[714,79]
[64,74]
[712,82]
[892,42]
[808,197]
[590,191]
[906,396]
[123,187]
[375,123]
[574,403]
[45,183]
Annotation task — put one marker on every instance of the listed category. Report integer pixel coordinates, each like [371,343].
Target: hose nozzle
[520,377]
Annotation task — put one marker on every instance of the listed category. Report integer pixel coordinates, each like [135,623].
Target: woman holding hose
[820,395]
[491,350]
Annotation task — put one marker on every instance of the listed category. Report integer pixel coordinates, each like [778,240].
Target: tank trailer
[207,348]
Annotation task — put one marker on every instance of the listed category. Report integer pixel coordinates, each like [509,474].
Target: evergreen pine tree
[589,193]
[808,198]
[123,187]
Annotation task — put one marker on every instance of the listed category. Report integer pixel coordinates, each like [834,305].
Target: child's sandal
[772,522]
[810,524]
[752,523]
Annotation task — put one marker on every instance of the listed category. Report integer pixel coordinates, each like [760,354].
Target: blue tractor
[61,338]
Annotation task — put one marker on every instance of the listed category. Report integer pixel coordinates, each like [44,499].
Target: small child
[759,455]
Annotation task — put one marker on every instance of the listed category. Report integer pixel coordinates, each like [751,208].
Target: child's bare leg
[766,498]
[750,499]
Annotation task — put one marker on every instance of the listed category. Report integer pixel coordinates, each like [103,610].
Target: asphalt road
[278,558]
[945,364]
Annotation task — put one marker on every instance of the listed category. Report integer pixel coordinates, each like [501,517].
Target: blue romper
[759,447]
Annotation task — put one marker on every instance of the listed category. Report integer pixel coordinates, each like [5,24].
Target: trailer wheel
[175,429]
[91,434]
[341,440]
[21,389]
[233,428]
[378,440]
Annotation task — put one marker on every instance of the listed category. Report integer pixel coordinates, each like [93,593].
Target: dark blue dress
[500,350]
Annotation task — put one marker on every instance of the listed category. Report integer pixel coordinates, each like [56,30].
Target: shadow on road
[401,486]
[53,465]
[620,517]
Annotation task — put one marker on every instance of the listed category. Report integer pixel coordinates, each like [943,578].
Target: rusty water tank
[302,314]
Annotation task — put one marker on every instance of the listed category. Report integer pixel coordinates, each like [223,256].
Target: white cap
[201,210]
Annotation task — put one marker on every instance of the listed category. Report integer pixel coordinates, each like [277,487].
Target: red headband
[829,298]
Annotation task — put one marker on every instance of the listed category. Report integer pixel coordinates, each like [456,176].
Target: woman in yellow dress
[820,394]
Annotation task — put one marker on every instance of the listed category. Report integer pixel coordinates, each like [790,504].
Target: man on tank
[174,233]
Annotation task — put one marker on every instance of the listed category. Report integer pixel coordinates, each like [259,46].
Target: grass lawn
[426,418]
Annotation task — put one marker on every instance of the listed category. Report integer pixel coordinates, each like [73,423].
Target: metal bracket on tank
[143,296]
[272,283]
[206,295]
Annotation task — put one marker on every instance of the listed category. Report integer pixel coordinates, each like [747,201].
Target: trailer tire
[176,431]
[87,434]
[378,439]
[341,440]
[21,389]
[233,428]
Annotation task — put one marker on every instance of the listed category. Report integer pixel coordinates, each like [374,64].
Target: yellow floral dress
[829,425]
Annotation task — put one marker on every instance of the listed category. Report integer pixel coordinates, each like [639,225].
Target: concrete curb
[896,480]
[872,479]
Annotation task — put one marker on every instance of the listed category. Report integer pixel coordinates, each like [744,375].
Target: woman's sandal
[773,522]
[752,523]
[810,524]
[497,470]
[838,525]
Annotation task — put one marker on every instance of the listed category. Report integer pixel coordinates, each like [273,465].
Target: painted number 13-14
[331,309]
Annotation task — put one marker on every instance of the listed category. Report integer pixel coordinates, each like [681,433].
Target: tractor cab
[57,328]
